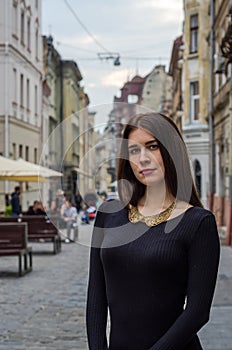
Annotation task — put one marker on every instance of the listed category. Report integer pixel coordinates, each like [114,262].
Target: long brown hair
[178,177]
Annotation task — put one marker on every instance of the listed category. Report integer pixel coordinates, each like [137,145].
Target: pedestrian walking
[15,202]
[69,215]
[78,201]
[155,252]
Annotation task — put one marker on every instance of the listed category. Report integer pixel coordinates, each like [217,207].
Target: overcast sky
[136,29]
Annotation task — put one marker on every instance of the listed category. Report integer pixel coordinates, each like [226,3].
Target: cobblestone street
[45,309]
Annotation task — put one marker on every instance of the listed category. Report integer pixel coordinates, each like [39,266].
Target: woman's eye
[134,151]
[154,147]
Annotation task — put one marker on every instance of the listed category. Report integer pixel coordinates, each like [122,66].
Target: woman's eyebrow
[133,145]
[151,141]
[146,143]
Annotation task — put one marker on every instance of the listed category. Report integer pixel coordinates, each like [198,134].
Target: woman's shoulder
[111,214]
[113,206]
[202,212]
[193,213]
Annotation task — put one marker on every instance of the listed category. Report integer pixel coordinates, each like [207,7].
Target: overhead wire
[84,27]
[74,47]
[102,46]
[123,57]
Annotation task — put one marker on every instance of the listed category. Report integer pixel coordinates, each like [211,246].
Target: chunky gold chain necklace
[135,216]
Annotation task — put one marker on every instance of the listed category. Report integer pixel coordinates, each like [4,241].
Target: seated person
[32,210]
[36,209]
[40,209]
[69,215]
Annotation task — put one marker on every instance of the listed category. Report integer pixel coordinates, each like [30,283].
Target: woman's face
[145,158]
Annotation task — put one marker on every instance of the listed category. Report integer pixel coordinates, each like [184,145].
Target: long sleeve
[96,314]
[203,260]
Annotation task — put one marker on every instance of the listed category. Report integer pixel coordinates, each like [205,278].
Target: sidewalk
[45,309]
[217,334]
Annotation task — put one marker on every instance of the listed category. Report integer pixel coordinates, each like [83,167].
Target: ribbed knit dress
[157,282]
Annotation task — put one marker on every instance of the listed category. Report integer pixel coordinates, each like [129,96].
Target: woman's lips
[147,171]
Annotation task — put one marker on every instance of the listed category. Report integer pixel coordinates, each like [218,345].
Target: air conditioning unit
[219,64]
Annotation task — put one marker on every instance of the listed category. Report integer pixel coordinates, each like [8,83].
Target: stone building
[69,129]
[152,92]
[157,91]
[222,114]
[21,72]
[200,67]
[195,88]
[175,71]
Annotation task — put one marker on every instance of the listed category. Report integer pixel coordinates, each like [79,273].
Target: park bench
[39,228]
[13,241]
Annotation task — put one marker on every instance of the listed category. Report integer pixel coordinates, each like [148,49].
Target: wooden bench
[39,228]
[13,241]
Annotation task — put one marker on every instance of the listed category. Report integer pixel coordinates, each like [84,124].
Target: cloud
[116,79]
[91,85]
[76,40]
[134,29]
[159,5]
[164,12]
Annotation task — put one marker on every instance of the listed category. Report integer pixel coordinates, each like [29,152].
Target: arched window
[198,175]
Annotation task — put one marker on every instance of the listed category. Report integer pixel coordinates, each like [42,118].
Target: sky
[140,31]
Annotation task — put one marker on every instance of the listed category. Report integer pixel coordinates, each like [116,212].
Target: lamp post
[112,163]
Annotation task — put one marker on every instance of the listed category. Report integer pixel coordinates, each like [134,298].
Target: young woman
[155,253]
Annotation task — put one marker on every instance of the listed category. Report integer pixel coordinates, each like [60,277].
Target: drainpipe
[61,124]
[211,117]
[6,119]
[229,227]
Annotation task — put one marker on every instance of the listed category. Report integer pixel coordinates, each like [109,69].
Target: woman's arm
[203,260]
[96,314]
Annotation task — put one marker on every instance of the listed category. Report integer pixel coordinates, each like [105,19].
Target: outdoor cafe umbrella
[21,170]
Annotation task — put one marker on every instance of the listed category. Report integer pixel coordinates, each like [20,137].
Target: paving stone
[45,309]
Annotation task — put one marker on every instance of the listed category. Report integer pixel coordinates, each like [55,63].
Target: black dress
[158,282]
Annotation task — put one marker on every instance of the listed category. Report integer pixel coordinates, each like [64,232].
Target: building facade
[69,131]
[21,72]
[221,13]
[175,71]
[157,91]
[195,88]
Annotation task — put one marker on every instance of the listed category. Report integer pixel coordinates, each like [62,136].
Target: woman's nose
[144,156]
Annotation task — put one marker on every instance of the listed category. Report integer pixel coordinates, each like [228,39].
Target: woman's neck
[155,200]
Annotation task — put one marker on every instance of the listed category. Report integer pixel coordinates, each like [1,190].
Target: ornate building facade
[195,88]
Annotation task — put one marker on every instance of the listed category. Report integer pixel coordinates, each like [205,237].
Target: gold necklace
[135,216]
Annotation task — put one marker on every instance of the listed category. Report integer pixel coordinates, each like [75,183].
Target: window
[14,151]
[20,151]
[28,94]
[198,177]
[132,98]
[194,101]
[36,43]
[193,33]
[15,85]
[35,155]
[21,90]
[15,17]
[36,100]
[28,34]
[22,30]
[27,153]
